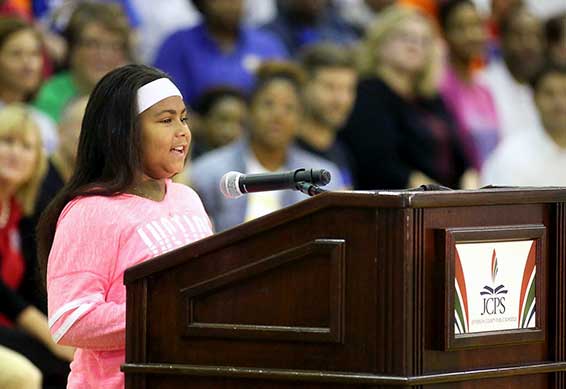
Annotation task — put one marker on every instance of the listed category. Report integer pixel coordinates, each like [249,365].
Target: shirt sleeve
[80,267]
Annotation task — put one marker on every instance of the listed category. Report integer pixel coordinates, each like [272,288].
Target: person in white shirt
[536,158]
[522,44]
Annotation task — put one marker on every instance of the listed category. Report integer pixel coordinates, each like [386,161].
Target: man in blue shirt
[301,23]
[219,51]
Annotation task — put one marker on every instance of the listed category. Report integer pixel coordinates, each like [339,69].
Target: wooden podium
[360,289]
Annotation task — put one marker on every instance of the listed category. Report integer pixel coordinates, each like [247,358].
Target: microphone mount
[309,189]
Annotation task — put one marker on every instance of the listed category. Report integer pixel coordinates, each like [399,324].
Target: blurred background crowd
[384,94]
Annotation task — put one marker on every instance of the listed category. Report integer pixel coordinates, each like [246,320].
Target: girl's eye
[185,119]
[166,121]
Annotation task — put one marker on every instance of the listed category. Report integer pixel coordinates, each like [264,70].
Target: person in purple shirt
[218,51]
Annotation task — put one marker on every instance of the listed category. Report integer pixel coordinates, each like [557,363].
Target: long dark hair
[109,150]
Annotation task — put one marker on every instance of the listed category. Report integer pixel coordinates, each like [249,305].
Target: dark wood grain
[344,289]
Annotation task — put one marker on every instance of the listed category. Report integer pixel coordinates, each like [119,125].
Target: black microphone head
[322,177]
[314,176]
[230,185]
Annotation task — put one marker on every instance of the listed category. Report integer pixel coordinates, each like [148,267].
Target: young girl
[119,208]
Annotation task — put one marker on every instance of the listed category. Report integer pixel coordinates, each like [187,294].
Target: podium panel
[455,289]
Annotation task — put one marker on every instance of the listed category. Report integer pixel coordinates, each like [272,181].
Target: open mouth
[180,150]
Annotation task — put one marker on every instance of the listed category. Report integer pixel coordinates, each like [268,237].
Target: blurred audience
[218,51]
[174,15]
[536,158]
[58,12]
[18,372]
[360,13]
[99,40]
[522,48]
[300,23]
[23,328]
[400,132]
[62,162]
[21,64]
[275,116]
[328,96]
[555,30]
[222,112]
[496,12]
[59,169]
[15,9]
[469,101]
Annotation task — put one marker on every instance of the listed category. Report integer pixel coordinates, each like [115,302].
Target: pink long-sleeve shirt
[96,240]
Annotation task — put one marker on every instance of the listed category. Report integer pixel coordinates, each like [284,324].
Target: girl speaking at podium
[120,208]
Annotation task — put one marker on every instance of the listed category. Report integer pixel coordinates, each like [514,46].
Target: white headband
[155,91]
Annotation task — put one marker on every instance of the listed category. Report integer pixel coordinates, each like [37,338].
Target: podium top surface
[416,198]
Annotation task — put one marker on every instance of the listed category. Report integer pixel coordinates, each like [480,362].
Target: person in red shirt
[23,328]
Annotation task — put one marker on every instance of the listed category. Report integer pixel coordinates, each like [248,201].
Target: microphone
[234,184]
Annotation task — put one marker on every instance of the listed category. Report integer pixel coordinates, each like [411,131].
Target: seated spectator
[217,51]
[536,158]
[555,31]
[58,12]
[155,27]
[275,115]
[23,328]
[21,64]
[18,372]
[62,162]
[400,133]
[328,96]
[300,23]
[522,45]
[222,112]
[98,36]
[60,166]
[495,12]
[360,13]
[181,14]
[469,101]
[13,9]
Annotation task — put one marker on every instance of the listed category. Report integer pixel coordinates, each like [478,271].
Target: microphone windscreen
[324,178]
[229,185]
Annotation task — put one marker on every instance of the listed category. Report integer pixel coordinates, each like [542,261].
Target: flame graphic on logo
[493,266]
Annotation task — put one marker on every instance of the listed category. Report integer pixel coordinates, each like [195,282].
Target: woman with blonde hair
[399,131]
[23,327]
[99,40]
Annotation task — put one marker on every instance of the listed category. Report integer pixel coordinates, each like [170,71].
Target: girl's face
[465,32]
[18,157]
[98,51]
[225,121]
[408,46]
[21,62]
[275,115]
[165,138]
